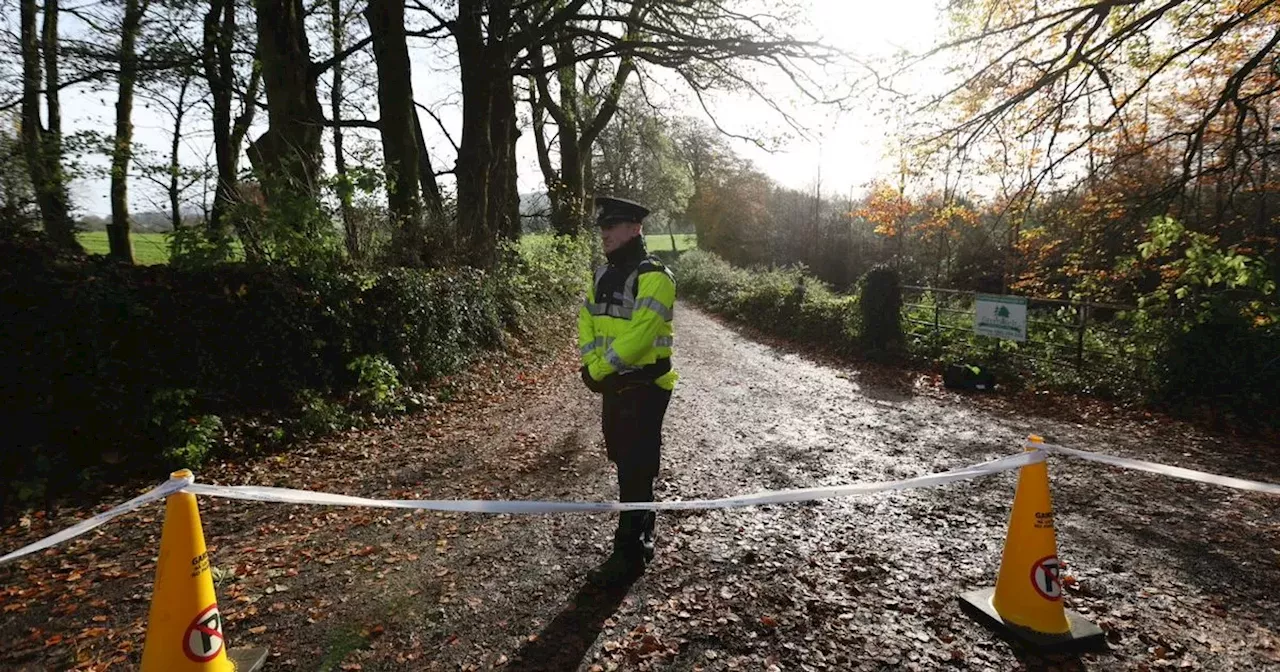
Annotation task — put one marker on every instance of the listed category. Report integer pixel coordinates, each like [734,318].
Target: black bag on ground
[968,377]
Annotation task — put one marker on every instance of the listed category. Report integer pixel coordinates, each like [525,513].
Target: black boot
[635,528]
[630,551]
[635,534]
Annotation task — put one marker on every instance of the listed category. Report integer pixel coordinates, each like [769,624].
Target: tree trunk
[476,153]
[1263,222]
[398,123]
[352,235]
[567,207]
[431,197]
[504,197]
[175,206]
[239,129]
[32,130]
[537,109]
[504,206]
[49,40]
[118,230]
[608,107]
[568,196]
[440,231]
[44,162]
[289,154]
[569,214]
[219,29]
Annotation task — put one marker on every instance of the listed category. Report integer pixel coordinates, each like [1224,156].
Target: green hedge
[104,363]
[787,302]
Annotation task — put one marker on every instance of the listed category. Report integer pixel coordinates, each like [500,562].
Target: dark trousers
[633,437]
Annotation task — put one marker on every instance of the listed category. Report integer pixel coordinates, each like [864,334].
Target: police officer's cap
[611,211]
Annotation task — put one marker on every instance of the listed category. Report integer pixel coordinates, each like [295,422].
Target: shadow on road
[565,641]
[1052,662]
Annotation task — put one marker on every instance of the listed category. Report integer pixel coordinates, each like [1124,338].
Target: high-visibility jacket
[625,325]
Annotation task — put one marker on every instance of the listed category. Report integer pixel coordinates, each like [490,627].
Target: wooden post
[1084,322]
[937,309]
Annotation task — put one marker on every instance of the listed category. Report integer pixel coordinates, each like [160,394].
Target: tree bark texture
[118,231]
[289,154]
[179,112]
[352,233]
[219,71]
[43,163]
[488,203]
[50,42]
[398,126]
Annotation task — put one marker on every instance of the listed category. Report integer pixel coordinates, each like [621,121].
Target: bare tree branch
[439,124]
[317,69]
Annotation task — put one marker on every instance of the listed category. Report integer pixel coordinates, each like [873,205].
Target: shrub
[543,272]
[377,383]
[191,247]
[296,230]
[1216,317]
[784,301]
[1226,360]
[318,416]
[881,303]
[195,440]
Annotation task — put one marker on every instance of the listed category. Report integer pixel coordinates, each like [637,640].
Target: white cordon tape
[1035,453]
[1162,469]
[289,496]
[164,490]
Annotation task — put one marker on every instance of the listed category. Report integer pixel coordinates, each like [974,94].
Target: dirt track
[1181,575]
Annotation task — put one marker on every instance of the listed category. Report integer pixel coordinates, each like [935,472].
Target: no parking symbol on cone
[1046,578]
[204,637]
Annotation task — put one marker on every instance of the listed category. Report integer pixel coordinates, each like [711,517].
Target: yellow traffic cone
[184,626]
[1027,599]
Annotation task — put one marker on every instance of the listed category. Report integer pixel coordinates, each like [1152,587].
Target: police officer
[625,339]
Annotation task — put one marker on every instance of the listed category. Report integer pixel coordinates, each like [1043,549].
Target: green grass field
[661,242]
[148,248]
[153,248]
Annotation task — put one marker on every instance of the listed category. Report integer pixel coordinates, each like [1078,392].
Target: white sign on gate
[1000,316]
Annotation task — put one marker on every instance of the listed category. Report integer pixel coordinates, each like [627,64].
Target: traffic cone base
[248,660]
[1081,634]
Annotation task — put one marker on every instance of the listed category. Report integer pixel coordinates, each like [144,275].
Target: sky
[845,150]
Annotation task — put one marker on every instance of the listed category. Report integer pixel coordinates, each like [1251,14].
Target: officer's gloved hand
[592,384]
